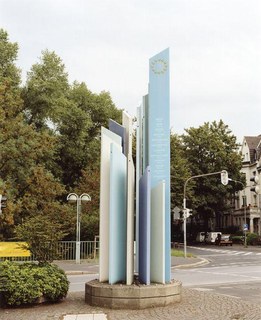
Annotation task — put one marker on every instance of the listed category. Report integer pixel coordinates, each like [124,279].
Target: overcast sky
[215,52]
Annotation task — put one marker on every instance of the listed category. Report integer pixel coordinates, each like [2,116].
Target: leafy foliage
[26,283]
[212,148]
[50,146]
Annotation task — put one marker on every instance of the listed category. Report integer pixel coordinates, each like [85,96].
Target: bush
[252,238]
[237,239]
[26,283]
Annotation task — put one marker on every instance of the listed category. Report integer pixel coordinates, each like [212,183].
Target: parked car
[223,240]
[207,237]
[212,236]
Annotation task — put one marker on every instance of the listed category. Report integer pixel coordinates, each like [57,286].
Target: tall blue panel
[159,137]
[119,130]
[144,227]
[118,216]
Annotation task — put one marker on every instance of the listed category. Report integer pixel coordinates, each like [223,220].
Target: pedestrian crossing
[228,252]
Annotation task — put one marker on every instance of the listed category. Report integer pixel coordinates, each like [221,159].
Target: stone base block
[121,296]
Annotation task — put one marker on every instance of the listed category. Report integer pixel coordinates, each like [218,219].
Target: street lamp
[244,204]
[73,197]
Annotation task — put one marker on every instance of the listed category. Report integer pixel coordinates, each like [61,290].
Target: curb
[76,273]
[191,265]
[180,266]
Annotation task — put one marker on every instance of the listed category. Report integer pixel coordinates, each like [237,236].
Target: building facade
[247,204]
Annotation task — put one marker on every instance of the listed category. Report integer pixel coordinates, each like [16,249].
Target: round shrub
[252,238]
[26,283]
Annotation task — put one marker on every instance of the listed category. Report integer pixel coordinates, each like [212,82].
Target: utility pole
[244,205]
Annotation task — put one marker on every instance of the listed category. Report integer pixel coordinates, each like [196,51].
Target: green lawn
[180,253]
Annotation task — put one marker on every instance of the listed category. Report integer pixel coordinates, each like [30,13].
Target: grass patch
[180,253]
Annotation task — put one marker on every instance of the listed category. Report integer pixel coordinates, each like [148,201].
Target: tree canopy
[50,146]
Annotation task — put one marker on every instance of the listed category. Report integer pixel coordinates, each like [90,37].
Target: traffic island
[136,296]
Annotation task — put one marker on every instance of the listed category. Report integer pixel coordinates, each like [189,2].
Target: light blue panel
[157,259]
[159,137]
[119,130]
[107,137]
[144,228]
[130,221]
[118,216]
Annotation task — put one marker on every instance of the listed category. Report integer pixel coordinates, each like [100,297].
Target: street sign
[245,227]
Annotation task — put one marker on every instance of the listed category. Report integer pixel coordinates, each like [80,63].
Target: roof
[254,145]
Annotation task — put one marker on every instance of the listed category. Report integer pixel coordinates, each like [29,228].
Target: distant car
[223,240]
[207,237]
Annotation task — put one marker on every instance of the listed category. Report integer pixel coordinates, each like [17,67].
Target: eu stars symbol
[159,66]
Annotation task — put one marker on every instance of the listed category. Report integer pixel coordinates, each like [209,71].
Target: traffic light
[255,187]
[3,200]
[187,213]
[224,177]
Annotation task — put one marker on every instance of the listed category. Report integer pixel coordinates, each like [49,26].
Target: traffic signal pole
[224,181]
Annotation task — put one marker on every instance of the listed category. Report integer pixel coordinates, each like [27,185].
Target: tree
[79,131]
[211,148]
[46,90]
[23,150]
[9,73]
[43,218]
[180,171]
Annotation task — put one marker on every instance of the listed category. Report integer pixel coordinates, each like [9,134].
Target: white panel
[130,221]
[107,137]
[157,249]
[127,123]
[118,216]
[138,175]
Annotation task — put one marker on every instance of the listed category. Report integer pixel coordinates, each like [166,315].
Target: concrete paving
[195,305]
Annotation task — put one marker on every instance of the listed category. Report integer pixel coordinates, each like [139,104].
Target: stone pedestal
[136,296]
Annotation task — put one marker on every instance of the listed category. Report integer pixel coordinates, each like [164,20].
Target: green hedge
[252,238]
[26,283]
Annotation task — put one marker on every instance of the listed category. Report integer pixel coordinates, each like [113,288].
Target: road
[231,271]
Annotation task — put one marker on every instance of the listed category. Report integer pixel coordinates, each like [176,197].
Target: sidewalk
[195,305]
[92,267]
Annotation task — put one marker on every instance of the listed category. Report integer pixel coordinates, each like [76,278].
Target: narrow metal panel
[107,137]
[119,130]
[130,221]
[127,123]
[159,136]
[144,228]
[157,260]
[138,175]
[145,128]
[118,216]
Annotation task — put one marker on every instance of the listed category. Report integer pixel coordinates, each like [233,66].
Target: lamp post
[73,197]
[244,204]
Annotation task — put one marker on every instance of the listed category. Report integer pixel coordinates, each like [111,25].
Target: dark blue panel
[144,228]
[119,130]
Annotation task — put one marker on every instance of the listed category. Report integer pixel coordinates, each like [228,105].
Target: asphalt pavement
[195,305]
